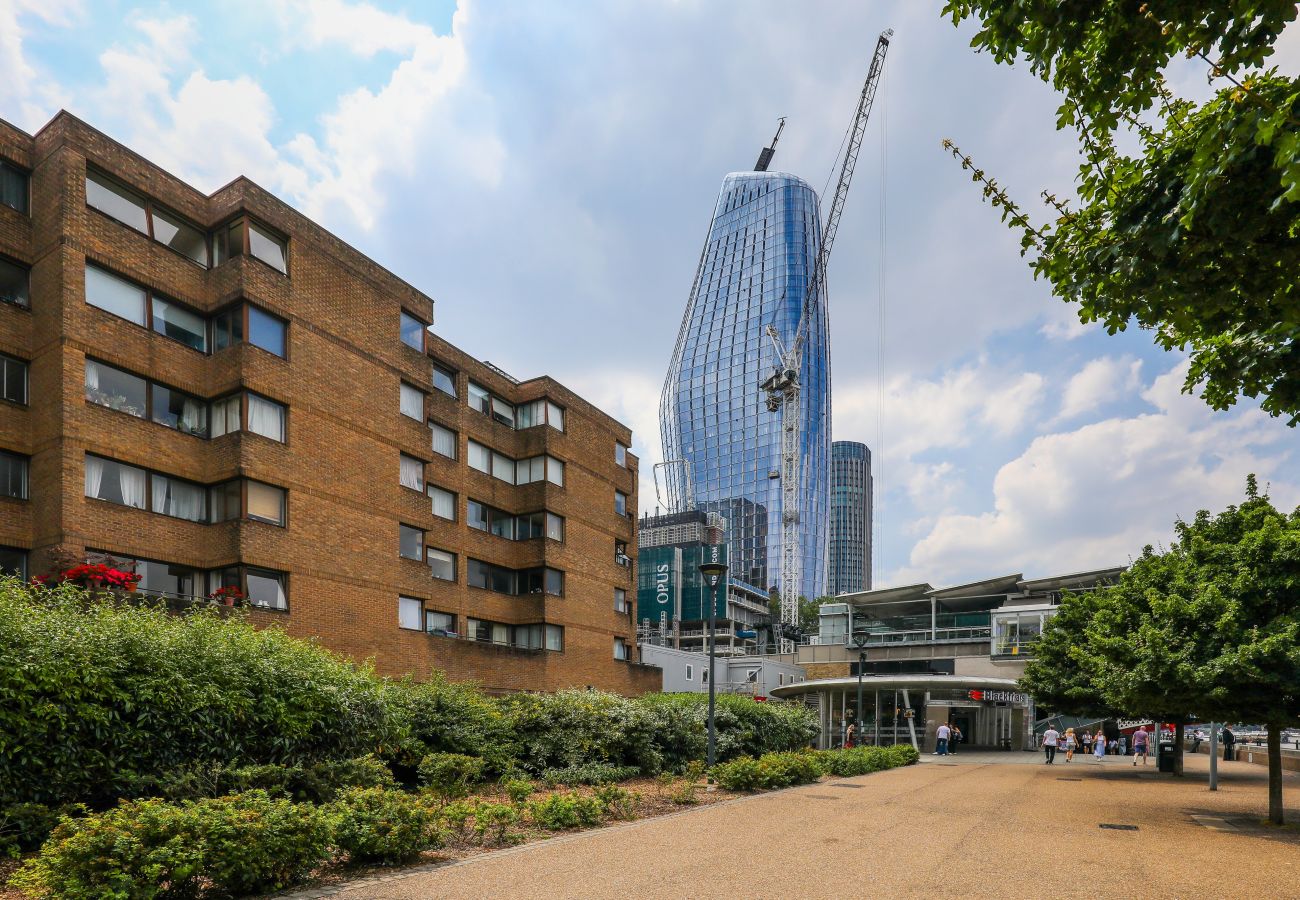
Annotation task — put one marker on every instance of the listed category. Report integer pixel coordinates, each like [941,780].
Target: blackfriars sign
[999,696]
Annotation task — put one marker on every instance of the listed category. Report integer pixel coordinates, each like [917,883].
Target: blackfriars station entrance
[908,709]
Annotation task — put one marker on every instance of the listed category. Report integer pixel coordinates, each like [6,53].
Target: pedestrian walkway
[949,827]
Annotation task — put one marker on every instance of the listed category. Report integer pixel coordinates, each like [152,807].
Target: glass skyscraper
[849,566]
[757,262]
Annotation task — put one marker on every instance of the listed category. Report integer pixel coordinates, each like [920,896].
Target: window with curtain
[442,565]
[444,380]
[13,187]
[181,499]
[178,410]
[412,331]
[479,399]
[554,471]
[620,503]
[13,379]
[13,475]
[529,414]
[112,199]
[440,623]
[228,328]
[528,471]
[555,638]
[411,402]
[503,467]
[620,600]
[266,503]
[444,440]
[115,482]
[480,457]
[180,324]
[410,613]
[266,331]
[225,415]
[554,416]
[410,542]
[14,285]
[114,295]
[554,527]
[266,588]
[266,417]
[444,503]
[554,582]
[412,473]
[620,648]
[224,501]
[116,389]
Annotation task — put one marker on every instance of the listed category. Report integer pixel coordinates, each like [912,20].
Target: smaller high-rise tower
[849,551]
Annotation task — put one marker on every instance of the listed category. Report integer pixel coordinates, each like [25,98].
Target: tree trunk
[1274,773]
[1178,749]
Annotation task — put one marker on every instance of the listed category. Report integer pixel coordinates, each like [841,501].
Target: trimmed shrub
[240,844]
[679,725]
[740,774]
[99,693]
[573,728]
[854,761]
[492,822]
[384,826]
[441,716]
[518,790]
[449,775]
[772,770]
[561,811]
[588,773]
[902,755]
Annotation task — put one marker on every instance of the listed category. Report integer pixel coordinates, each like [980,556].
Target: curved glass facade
[757,261]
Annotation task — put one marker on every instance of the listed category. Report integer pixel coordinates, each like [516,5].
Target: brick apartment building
[222,392]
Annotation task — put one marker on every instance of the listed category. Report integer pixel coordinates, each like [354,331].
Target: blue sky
[546,172]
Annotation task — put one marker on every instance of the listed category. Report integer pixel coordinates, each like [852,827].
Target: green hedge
[777,770]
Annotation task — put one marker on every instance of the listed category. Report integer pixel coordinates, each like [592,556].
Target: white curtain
[412,473]
[444,503]
[94,475]
[192,416]
[265,418]
[188,501]
[160,495]
[412,402]
[92,376]
[132,482]
[444,441]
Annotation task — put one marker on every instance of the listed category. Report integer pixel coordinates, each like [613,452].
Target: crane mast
[782,386]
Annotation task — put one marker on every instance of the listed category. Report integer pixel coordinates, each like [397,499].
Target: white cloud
[1094,496]
[359,28]
[1101,381]
[30,94]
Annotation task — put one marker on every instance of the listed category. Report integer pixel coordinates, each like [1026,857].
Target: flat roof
[925,682]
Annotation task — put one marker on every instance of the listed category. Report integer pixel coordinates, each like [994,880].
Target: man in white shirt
[941,739]
[1051,737]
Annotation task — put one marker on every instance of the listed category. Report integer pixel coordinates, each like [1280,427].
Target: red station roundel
[975,695]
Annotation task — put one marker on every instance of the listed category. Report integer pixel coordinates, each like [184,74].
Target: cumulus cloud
[31,94]
[1093,497]
[1101,381]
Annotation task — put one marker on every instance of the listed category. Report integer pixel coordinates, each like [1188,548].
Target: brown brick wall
[340,381]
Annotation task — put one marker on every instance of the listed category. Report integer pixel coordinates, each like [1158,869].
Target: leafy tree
[1196,235]
[810,613]
[1062,676]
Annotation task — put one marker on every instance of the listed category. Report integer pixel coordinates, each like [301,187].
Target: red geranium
[95,576]
[229,595]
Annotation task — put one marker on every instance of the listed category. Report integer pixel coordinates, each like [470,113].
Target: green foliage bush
[775,770]
[239,844]
[384,826]
[617,802]
[572,728]
[99,693]
[492,822]
[518,790]
[449,775]
[679,725]
[740,774]
[569,810]
[25,826]
[588,773]
[441,716]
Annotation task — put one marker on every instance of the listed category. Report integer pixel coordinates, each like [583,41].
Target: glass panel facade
[849,542]
[755,271]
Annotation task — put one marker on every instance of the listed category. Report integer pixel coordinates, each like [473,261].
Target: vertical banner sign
[716,553]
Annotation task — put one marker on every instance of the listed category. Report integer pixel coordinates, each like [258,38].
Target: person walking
[850,736]
[955,738]
[1051,737]
[1087,741]
[1099,747]
[1141,740]
[1228,740]
[1197,737]
[1069,744]
[941,740]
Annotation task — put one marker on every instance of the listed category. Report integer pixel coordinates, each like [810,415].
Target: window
[173,408]
[13,379]
[114,200]
[242,236]
[528,471]
[112,294]
[690,672]
[159,578]
[529,414]
[226,415]
[228,328]
[503,467]
[444,440]
[181,236]
[620,455]
[13,187]
[620,648]
[442,565]
[479,399]
[13,475]
[412,473]
[554,416]
[266,588]
[620,553]
[444,381]
[13,285]
[480,457]
[116,389]
[555,638]
[554,527]
[412,331]
[620,503]
[266,331]
[266,503]
[12,560]
[554,582]
[523,527]
[620,600]
[554,471]
[704,676]
[180,324]
[410,542]
[493,578]
[411,402]
[266,417]
[440,623]
[444,503]
[225,501]
[173,497]
[116,482]
[410,613]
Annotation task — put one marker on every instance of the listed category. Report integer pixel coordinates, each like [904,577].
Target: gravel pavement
[979,824]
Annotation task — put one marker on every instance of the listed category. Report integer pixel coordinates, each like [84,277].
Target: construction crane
[782,387]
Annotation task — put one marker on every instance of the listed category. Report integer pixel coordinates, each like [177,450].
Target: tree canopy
[1196,235]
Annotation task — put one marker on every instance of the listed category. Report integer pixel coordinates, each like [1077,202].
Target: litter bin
[1165,756]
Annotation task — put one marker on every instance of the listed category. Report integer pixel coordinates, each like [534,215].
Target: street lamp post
[714,571]
[860,645]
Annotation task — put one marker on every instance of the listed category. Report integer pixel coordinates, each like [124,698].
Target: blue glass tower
[757,262]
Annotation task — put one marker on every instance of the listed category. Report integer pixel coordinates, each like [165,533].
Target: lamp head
[713,569]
